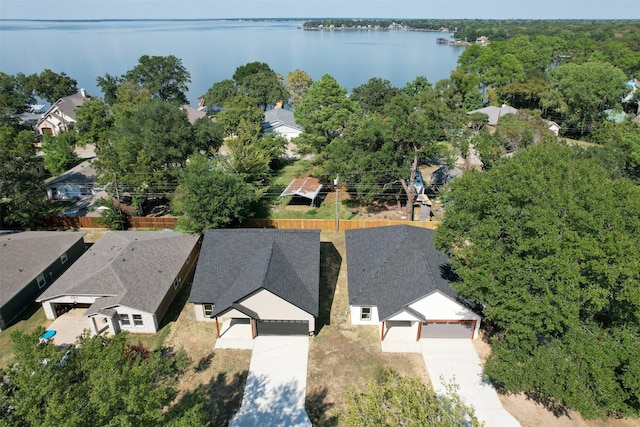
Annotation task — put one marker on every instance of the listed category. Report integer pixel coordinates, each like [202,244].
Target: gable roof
[304,187]
[193,114]
[278,117]
[135,268]
[234,264]
[24,255]
[391,267]
[82,174]
[495,113]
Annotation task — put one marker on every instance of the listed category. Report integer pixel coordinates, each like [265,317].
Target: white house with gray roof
[30,261]
[400,282]
[61,116]
[126,281]
[266,278]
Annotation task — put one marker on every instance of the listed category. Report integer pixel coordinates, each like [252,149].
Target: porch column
[253,328]
[113,325]
[94,328]
[218,327]
[419,331]
[382,333]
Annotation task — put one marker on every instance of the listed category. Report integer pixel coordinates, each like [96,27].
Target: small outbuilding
[401,282]
[308,188]
[267,279]
[30,261]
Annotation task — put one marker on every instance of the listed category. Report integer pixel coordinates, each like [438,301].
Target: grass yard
[29,320]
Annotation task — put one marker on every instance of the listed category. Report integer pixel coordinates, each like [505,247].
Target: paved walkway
[276,385]
[456,360]
[69,326]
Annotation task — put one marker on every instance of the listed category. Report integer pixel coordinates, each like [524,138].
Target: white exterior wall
[438,306]
[149,321]
[199,310]
[50,313]
[355,315]
[271,307]
[288,132]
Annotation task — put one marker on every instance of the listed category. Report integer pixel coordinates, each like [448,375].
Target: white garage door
[450,329]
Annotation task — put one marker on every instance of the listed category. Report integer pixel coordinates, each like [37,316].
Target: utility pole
[115,183]
[336,182]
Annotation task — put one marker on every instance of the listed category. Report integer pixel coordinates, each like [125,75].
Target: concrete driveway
[456,360]
[69,326]
[276,385]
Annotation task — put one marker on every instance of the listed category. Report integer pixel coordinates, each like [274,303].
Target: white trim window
[137,320]
[365,314]
[125,320]
[176,282]
[207,310]
[41,280]
[64,258]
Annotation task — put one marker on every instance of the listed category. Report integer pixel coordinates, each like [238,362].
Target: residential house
[193,114]
[399,281]
[266,278]
[126,281]
[495,113]
[30,261]
[74,184]
[282,122]
[482,40]
[61,116]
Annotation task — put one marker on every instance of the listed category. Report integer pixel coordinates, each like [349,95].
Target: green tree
[373,95]
[237,109]
[582,92]
[15,96]
[59,154]
[366,158]
[298,83]
[323,113]
[218,94]
[211,196]
[93,121]
[111,216]
[549,246]
[207,135]
[22,195]
[148,145]
[394,400]
[53,86]
[163,76]
[109,85]
[102,381]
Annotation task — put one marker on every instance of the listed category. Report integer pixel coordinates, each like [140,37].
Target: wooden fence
[298,224]
[330,224]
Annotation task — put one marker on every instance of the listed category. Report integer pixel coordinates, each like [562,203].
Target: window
[137,320]
[208,309]
[176,283]
[365,313]
[64,258]
[124,320]
[41,280]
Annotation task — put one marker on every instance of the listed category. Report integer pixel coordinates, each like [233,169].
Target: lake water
[212,50]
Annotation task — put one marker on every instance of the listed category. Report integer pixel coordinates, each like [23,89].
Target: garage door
[458,329]
[282,327]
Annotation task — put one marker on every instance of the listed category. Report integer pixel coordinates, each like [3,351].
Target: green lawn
[30,319]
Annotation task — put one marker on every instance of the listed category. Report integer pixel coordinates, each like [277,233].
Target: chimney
[83,92]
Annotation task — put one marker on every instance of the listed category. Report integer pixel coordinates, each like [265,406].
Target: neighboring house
[495,113]
[444,175]
[30,261]
[267,278]
[553,127]
[74,184]
[126,281]
[482,40]
[397,279]
[193,114]
[281,121]
[61,116]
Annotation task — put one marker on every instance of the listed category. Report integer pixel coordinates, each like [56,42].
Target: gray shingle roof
[278,117]
[495,113]
[234,264]
[391,267]
[26,254]
[136,268]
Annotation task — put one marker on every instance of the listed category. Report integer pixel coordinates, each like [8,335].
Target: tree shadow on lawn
[330,262]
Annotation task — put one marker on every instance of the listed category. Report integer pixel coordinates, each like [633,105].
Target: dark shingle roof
[26,254]
[234,264]
[135,268]
[391,267]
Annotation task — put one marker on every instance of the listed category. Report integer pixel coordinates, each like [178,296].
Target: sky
[417,9]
